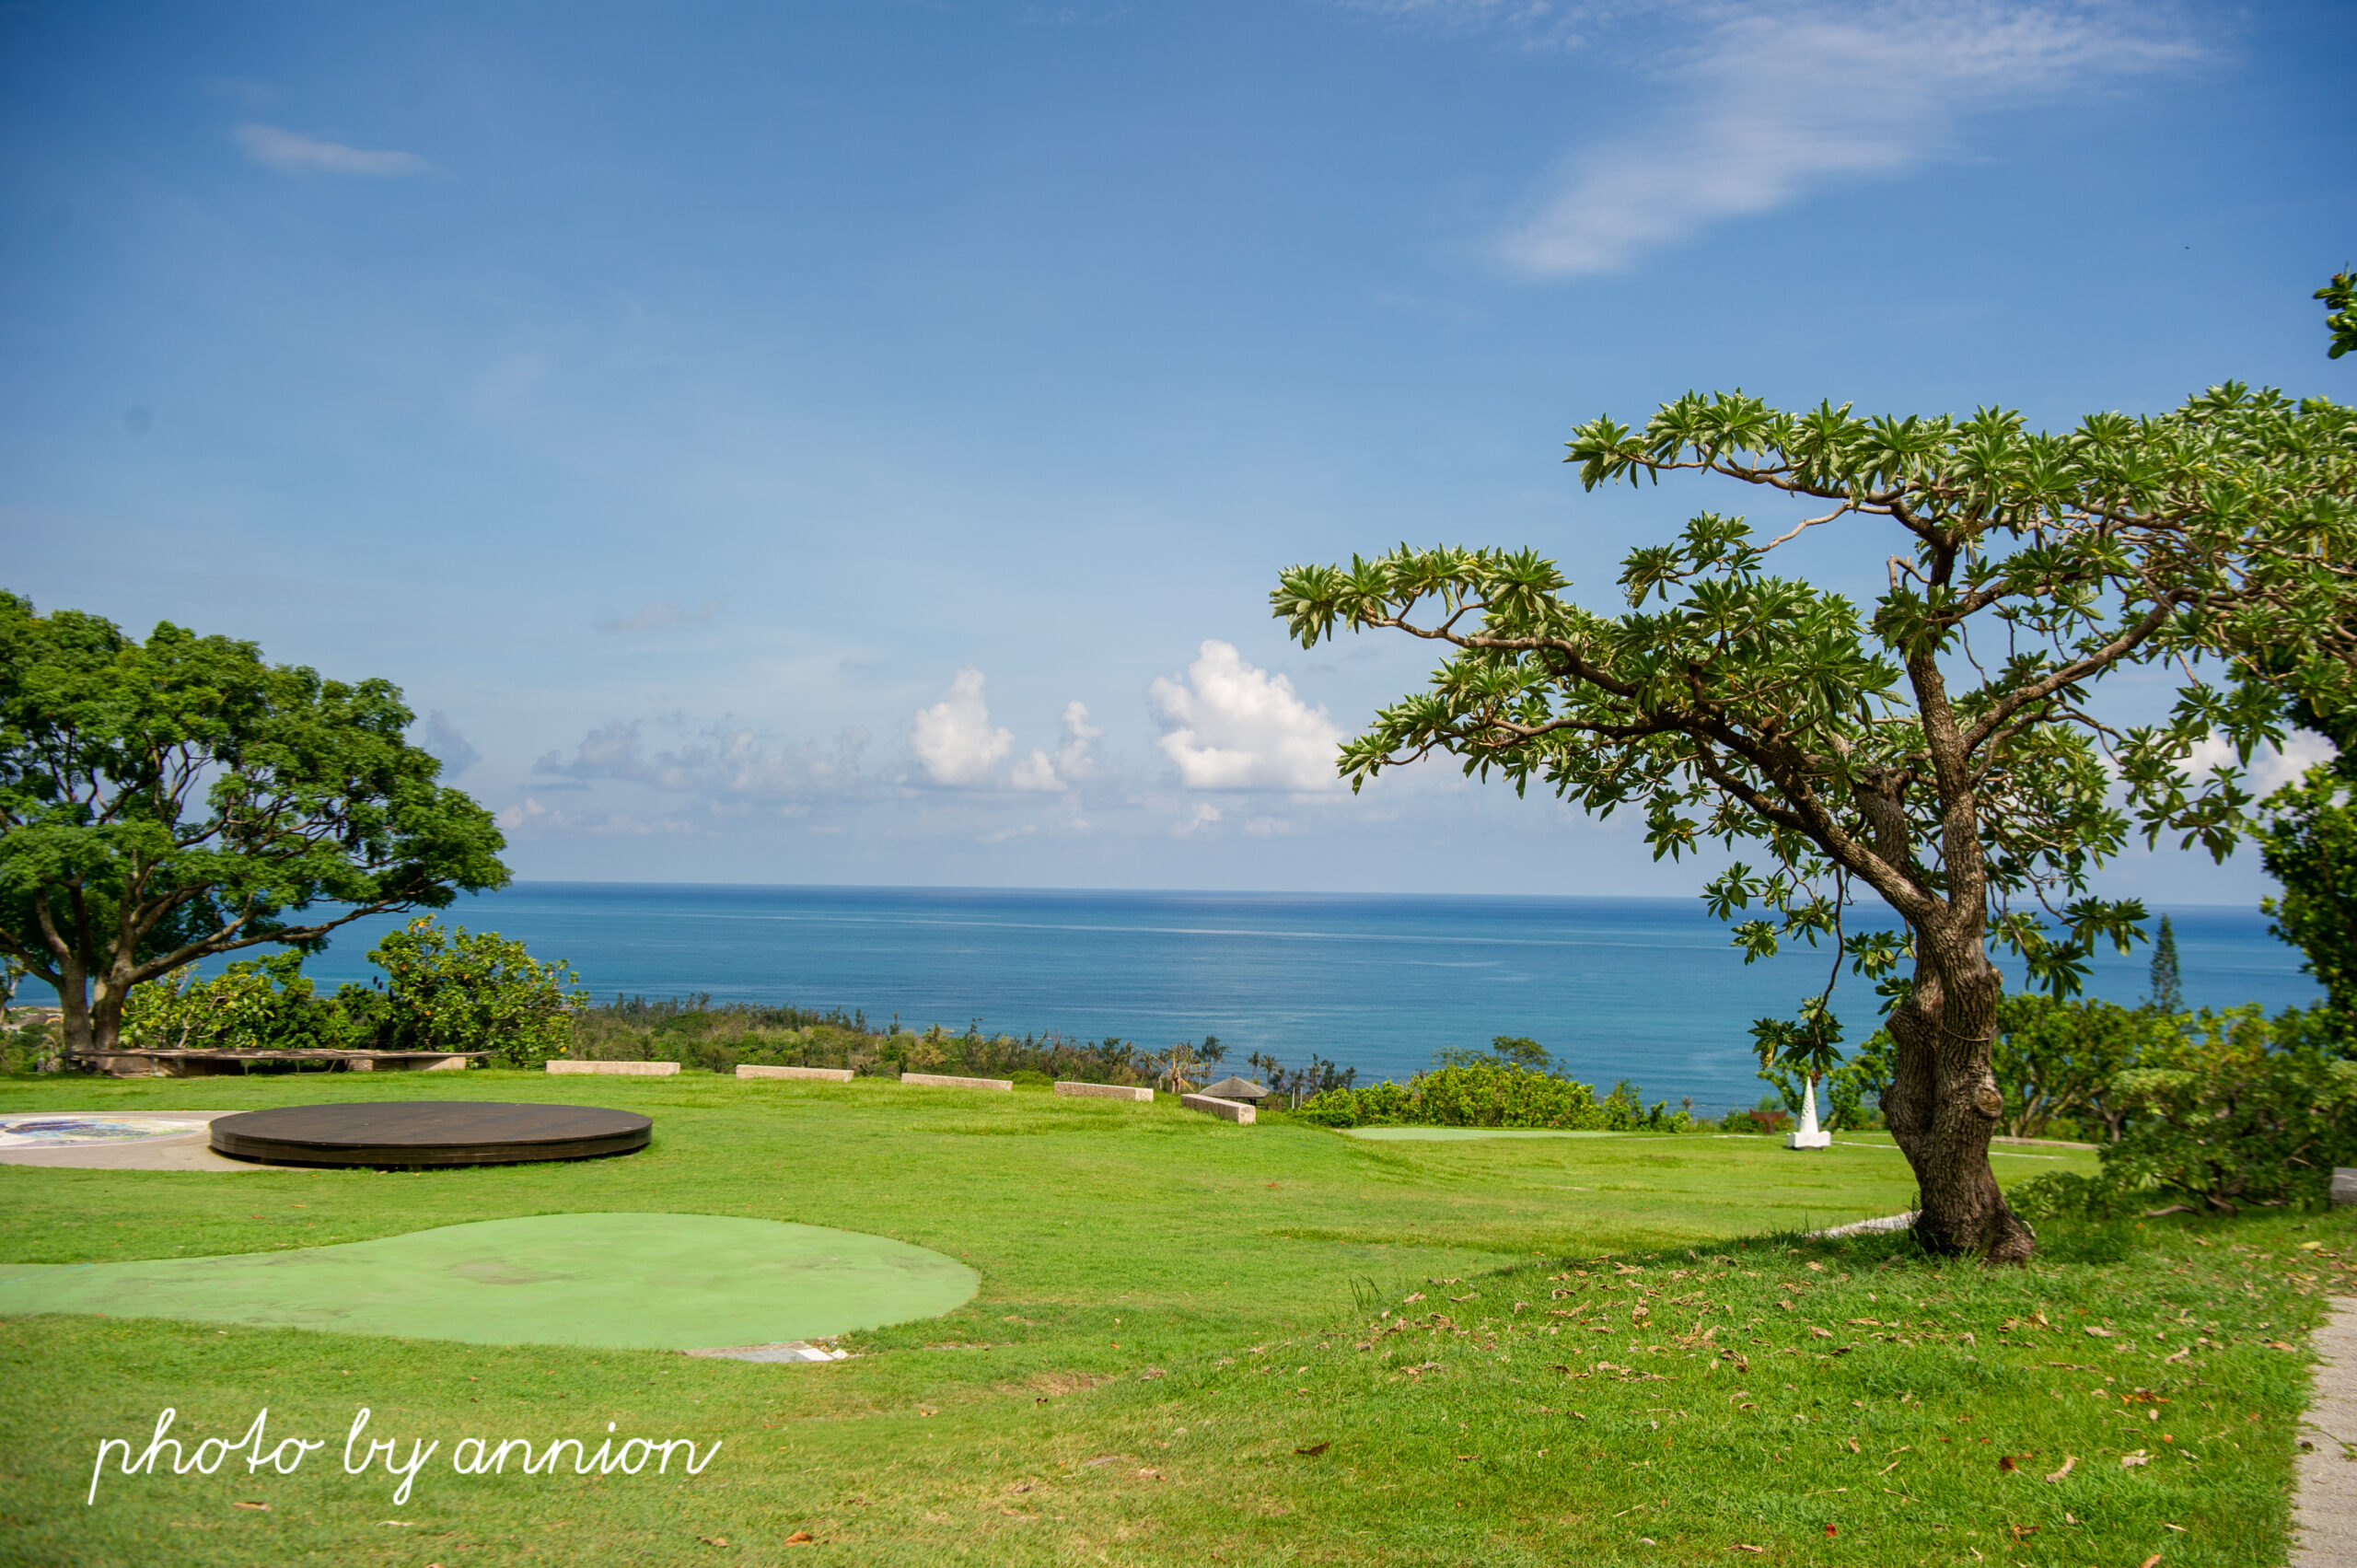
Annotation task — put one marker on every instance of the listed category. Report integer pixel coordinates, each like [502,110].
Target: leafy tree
[2056,1062]
[1520,1049]
[167,801]
[467,991]
[2164,994]
[2309,846]
[1942,750]
[1523,1051]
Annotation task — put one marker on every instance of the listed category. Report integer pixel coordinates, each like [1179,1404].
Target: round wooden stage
[428,1133]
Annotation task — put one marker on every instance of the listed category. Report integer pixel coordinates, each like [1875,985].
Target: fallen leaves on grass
[257,1508]
[1746,1546]
[2069,1460]
[800,1537]
[2130,1461]
[2008,1464]
[713,1540]
[1313,1449]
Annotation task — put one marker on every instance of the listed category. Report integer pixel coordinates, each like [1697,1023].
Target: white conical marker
[1808,1137]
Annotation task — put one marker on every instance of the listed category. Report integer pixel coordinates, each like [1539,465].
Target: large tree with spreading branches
[173,800]
[1946,749]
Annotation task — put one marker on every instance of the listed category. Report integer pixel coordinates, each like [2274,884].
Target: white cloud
[1073,761]
[2272,767]
[1234,726]
[1074,758]
[1782,99]
[292,153]
[953,739]
[1037,771]
[663,613]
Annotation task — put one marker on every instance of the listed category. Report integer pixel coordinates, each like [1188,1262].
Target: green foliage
[1524,1052]
[2309,846]
[166,801]
[469,990]
[2056,1062]
[2340,297]
[2069,1195]
[1491,1092]
[2241,1111]
[698,1033]
[443,991]
[253,1004]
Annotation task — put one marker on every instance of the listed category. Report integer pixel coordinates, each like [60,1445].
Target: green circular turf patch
[624,1282]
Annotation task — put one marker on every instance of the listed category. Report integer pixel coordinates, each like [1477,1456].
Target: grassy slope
[1243,1265]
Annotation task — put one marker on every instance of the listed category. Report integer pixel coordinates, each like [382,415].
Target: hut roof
[1233,1087]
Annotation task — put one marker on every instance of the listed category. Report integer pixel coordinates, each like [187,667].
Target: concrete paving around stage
[154,1145]
[2324,1515]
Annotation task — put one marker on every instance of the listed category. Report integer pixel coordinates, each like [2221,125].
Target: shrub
[465,990]
[2064,1195]
[253,1004]
[443,990]
[2245,1112]
[1475,1091]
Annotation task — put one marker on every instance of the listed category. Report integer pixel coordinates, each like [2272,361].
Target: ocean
[1642,989]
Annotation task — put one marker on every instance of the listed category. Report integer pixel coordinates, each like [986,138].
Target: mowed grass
[1198,1342]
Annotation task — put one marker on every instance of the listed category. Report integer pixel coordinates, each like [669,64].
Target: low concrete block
[1104,1091]
[1225,1109]
[2345,1187]
[826,1074]
[942,1081]
[625,1069]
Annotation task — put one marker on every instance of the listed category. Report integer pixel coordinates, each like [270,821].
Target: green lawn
[1165,1362]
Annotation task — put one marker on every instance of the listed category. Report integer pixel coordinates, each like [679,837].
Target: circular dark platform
[428,1133]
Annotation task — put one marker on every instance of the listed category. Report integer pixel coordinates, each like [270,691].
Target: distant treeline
[697,1032]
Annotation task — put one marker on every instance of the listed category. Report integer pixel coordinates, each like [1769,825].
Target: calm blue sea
[1645,989]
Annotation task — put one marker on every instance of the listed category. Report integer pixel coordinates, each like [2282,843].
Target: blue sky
[855,442]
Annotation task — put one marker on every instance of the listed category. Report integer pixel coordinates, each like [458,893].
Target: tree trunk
[1942,1105]
[74,1009]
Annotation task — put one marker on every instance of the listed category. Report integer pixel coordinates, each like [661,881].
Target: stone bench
[625,1069]
[826,1074]
[1225,1109]
[942,1081]
[1104,1091]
